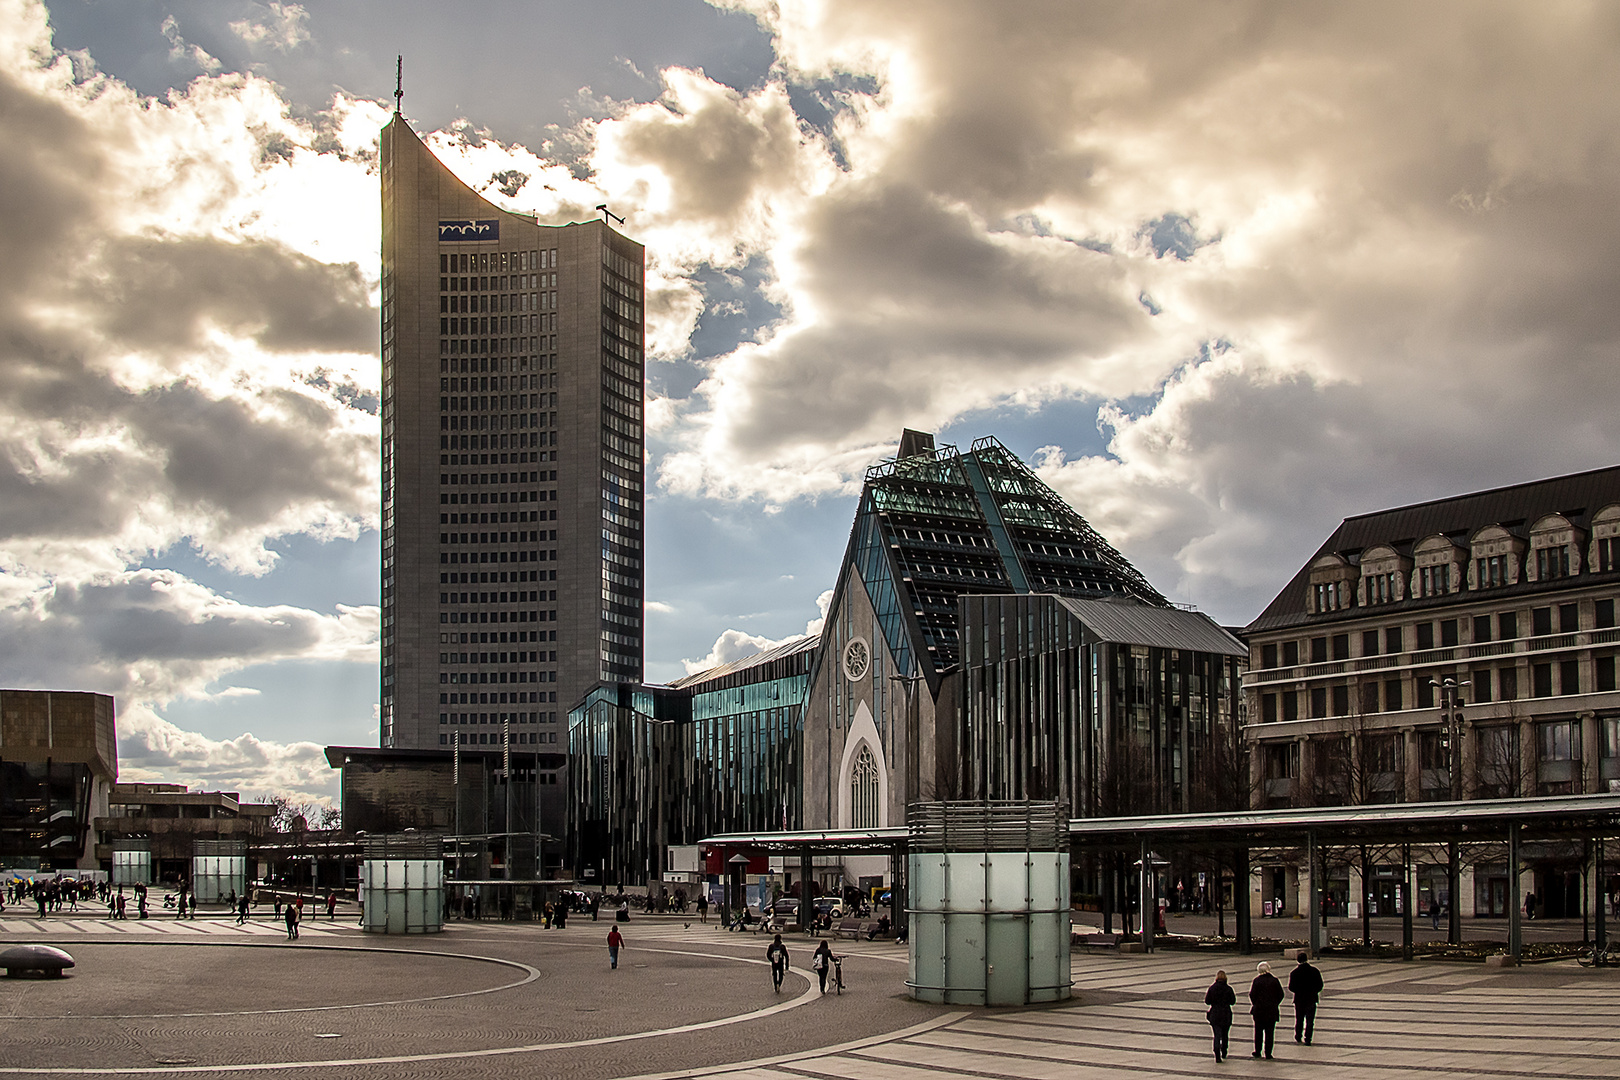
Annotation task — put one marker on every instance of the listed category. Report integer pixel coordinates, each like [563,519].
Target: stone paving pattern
[175,998]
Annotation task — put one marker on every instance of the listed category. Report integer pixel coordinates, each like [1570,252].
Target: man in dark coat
[1265,996]
[1305,983]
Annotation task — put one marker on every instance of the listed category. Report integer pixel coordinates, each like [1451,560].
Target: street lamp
[1451,717]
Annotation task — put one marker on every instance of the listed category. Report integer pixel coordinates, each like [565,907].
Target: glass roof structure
[937,523]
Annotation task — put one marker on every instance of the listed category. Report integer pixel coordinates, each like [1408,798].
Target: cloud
[281,26]
[152,749]
[1304,262]
[182,53]
[736,644]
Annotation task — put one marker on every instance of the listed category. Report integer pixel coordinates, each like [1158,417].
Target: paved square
[491,999]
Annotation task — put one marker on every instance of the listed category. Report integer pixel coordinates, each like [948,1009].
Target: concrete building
[512,465]
[1457,649]
[172,818]
[58,762]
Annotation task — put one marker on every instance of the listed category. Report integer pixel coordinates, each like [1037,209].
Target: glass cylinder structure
[132,861]
[402,885]
[988,888]
[218,870]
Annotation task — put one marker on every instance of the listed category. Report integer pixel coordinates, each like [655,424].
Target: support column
[900,890]
[1105,865]
[1600,895]
[1406,901]
[1591,745]
[1454,887]
[1515,938]
[807,863]
[1313,910]
[1146,902]
[1411,763]
[1240,899]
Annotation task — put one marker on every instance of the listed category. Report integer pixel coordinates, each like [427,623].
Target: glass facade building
[1111,708]
[659,766]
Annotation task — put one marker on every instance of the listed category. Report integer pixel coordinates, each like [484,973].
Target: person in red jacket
[615,943]
[1265,998]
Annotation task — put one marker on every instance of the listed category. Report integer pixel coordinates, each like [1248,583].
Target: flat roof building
[58,762]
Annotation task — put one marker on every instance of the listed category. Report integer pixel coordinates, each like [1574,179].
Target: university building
[512,468]
[1460,648]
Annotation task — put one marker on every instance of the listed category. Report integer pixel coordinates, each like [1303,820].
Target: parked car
[786,907]
[830,906]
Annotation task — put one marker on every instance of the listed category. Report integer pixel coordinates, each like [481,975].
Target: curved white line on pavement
[810,994]
[531,974]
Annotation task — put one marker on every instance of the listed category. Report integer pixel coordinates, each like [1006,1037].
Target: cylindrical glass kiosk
[988,890]
[132,861]
[402,885]
[218,870]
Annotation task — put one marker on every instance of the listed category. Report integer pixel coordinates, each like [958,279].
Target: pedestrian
[242,910]
[1305,983]
[290,913]
[1220,997]
[615,943]
[1529,905]
[703,907]
[1434,913]
[180,906]
[331,905]
[821,963]
[545,916]
[1265,995]
[777,954]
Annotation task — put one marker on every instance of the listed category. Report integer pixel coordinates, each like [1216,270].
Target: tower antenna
[609,214]
[399,83]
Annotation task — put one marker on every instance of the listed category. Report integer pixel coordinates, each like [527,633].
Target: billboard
[470,230]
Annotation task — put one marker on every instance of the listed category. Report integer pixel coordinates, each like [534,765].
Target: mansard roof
[1516,507]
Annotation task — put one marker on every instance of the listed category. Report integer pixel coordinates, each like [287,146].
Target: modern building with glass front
[933,525]
[656,767]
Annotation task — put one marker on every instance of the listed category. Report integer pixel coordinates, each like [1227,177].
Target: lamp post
[1451,716]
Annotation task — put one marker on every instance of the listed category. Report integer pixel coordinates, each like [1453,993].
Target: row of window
[1391,640]
[493,459]
[521,738]
[527,657]
[497,284]
[496,261]
[522,596]
[495,637]
[1483,685]
[536,476]
[473,365]
[494,577]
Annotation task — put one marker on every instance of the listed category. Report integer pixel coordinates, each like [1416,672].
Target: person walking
[703,907]
[1305,983]
[777,954]
[291,916]
[1220,997]
[1265,996]
[242,909]
[821,963]
[1434,913]
[331,905]
[615,943]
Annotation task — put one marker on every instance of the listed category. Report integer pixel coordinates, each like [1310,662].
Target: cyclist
[821,962]
[777,954]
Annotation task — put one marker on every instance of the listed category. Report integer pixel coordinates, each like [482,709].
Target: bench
[40,958]
[1097,941]
[853,927]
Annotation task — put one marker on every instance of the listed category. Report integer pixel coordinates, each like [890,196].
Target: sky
[1223,272]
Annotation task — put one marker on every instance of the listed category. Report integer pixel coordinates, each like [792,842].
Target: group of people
[1265,1005]
[822,962]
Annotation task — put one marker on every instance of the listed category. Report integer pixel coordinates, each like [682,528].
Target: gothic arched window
[863,791]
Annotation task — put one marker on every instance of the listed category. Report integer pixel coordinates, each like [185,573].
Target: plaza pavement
[206,997]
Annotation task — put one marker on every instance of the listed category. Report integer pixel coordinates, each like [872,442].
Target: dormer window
[1333,584]
[1605,551]
[1498,558]
[1384,574]
[1556,545]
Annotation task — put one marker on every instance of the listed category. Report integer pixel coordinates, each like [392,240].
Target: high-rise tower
[512,574]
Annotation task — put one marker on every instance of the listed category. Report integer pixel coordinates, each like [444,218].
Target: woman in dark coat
[1265,997]
[1220,998]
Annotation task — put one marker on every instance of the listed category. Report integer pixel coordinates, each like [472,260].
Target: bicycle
[1599,957]
[838,972]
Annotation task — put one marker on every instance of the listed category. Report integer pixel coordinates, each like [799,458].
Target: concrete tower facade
[512,466]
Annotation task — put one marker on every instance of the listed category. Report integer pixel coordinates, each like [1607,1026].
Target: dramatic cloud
[1306,261]
[737,644]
